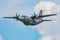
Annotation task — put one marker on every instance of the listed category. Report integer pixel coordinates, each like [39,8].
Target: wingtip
[3,17]
[55,14]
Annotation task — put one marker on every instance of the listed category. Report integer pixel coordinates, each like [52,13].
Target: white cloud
[56,37]
[49,29]
[47,38]
[45,6]
[1,38]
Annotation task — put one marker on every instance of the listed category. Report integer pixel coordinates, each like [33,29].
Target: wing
[12,18]
[8,17]
[47,15]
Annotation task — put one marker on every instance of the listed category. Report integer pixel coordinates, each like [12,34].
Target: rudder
[40,13]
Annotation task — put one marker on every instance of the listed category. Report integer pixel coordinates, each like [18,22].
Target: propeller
[34,16]
[16,16]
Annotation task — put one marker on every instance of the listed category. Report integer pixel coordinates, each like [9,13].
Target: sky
[11,29]
[49,30]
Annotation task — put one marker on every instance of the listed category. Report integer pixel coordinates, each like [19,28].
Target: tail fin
[40,13]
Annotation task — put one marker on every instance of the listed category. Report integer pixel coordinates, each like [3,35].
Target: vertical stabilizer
[40,13]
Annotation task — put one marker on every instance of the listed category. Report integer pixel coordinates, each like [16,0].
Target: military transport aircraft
[33,20]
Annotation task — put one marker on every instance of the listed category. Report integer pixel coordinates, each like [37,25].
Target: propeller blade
[34,13]
[16,14]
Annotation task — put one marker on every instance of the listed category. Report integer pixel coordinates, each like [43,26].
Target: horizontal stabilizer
[48,15]
[46,20]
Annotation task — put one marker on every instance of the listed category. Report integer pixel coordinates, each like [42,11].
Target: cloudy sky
[49,30]
[16,30]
